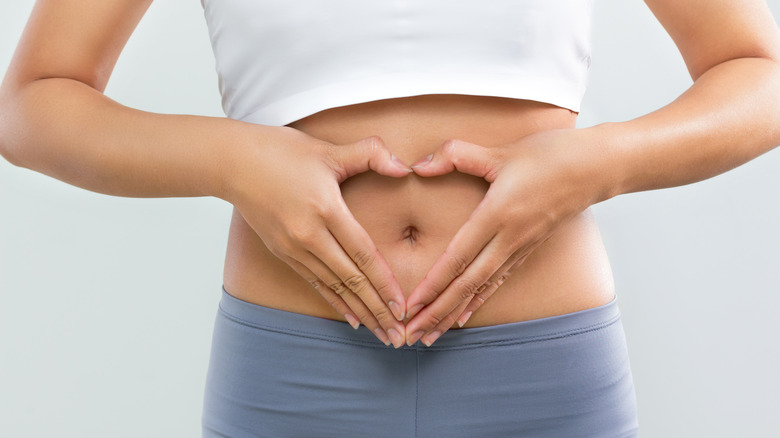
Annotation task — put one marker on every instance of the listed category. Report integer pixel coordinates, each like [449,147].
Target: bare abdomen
[412,219]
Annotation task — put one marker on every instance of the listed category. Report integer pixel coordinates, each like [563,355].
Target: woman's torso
[412,219]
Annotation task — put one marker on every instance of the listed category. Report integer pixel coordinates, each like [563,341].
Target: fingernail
[352,321]
[382,336]
[398,340]
[397,311]
[422,162]
[464,318]
[400,163]
[414,311]
[415,337]
[431,338]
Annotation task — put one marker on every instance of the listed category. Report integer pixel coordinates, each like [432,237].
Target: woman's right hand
[286,186]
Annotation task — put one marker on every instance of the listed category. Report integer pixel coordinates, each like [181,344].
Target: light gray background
[107,303]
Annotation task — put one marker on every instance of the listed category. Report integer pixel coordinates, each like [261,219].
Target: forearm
[729,116]
[70,131]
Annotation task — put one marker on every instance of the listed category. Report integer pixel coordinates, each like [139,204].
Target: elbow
[5,141]
[772,99]
[773,82]
[12,130]
[9,157]
[7,144]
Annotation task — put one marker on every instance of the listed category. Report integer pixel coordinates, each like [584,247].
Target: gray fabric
[280,374]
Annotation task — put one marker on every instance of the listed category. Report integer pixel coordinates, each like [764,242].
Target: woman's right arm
[55,119]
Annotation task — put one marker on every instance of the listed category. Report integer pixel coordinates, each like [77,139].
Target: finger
[466,308]
[472,237]
[462,156]
[462,289]
[352,283]
[429,338]
[352,286]
[320,284]
[330,286]
[369,153]
[491,286]
[354,239]
[356,290]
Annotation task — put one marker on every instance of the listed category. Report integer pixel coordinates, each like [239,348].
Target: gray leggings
[274,373]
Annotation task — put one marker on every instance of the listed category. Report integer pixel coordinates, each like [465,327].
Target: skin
[728,117]
[291,187]
[411,219]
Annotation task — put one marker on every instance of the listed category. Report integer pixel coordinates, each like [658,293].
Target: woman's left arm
[730,115]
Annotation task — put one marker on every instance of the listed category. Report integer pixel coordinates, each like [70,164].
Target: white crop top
[281,60]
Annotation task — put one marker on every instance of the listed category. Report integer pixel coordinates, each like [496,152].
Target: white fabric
[279,61]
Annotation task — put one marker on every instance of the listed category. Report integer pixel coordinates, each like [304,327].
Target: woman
[427,237]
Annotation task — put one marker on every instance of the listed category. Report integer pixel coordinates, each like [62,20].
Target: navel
[410,234]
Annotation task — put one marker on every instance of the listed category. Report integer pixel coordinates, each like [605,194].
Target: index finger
[358,244]
[464,247]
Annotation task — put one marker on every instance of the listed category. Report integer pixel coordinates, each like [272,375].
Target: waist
[412,219]
[553,327]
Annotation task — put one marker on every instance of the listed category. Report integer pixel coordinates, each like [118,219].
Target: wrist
[234,149]
[605,161]
[240,150]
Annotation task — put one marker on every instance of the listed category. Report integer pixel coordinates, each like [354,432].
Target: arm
[54,119]
[730,115]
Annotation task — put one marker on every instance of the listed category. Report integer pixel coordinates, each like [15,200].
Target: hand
[287,188]
[537,183]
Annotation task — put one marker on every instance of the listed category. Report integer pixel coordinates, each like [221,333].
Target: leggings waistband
[297,324]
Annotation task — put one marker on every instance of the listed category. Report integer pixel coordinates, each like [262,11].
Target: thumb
[369,153]
[458,155]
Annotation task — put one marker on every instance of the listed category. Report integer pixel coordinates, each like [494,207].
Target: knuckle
[467,288]
[357,283]
[383,314]
[374,142]
[333,211]
[450,151]
[484,287]
[278,250]
[383,289]
[364,259]
[283,249]
[492,173]
[363,317]
[326,210]
[303,234]
[456,263]
[450,146]
[448,321]
[329,154]
[541,221]
[338,287]
[506,215]
[434,320]
[466,294]
[477,301]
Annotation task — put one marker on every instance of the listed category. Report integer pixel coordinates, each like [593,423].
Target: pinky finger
[444,325]
[492,285]
[330,296]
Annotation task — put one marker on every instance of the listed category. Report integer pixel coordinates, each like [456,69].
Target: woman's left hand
[536,183]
